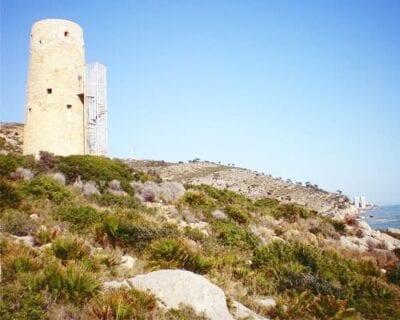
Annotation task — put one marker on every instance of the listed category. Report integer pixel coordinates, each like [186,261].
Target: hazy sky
[307,90]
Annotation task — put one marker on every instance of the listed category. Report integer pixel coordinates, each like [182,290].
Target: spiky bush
[74,283]
[125,231]
[20,302]
[177,254]
[70,249]
[122,304]
[17,259]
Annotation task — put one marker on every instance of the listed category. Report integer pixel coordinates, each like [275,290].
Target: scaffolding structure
[96,127]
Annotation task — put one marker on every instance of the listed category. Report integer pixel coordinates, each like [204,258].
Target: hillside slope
[249,183]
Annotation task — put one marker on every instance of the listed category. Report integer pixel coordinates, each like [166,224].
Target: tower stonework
[54,115]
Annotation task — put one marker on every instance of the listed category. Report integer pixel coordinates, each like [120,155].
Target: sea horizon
[383,217]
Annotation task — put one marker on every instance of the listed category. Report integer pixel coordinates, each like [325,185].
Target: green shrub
[291,212]
[232,235]
[177,254]
[393,276]
[94,168]
[122,304]
[197,201]
[17,259]
[327,263]
[339,226]
[18,302]
[11,161]
[82,218]
[224,196]
[125,231]
[301,282]
[43,236]
[110,200]
[266,203]
[70,249]
[236,214]
[16,222]
[74,283]
[396,251]
[308,306]
[374,299]
[10,197]
[45,188]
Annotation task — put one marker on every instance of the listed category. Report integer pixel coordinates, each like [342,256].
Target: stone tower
[54,115]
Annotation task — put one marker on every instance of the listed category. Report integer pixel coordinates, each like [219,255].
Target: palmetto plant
[75,282]
[123,304]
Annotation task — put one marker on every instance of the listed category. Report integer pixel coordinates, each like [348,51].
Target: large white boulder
[175,287]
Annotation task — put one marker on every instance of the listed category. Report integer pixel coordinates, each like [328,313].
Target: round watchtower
[54,115]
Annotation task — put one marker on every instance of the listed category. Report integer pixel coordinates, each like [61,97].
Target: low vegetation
[249,248]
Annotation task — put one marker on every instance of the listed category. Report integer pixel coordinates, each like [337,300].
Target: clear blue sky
[307,90]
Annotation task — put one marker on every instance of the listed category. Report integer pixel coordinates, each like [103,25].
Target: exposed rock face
[371,239]
[12,135]
[175,287]
[250,183]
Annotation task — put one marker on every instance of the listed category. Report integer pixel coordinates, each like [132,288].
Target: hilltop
[87,237]
[252,184]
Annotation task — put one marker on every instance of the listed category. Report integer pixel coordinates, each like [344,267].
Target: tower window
[65,33]
[30,109]
[49,90]
[40,41]
[69,106]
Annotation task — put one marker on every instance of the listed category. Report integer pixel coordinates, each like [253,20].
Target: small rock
[267,302]
[127,262]
[219,215]
[243,312]
[27,240]
[202,226]
[34,216]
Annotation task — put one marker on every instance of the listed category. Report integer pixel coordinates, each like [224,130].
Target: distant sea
[384,217]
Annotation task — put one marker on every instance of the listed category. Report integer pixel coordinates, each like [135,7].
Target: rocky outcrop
[180,287]
[370,239]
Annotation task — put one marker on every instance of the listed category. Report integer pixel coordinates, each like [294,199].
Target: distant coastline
[383,217]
